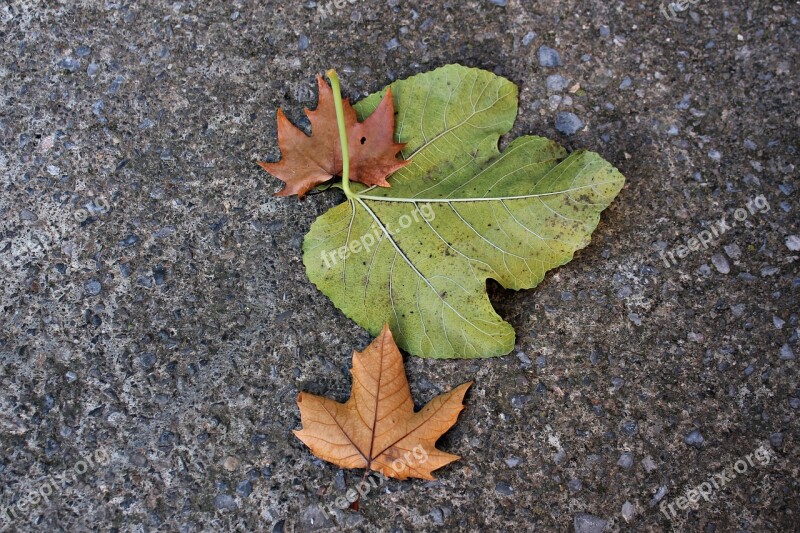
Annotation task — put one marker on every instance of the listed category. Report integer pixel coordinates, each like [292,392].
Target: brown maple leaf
[377,428]
[306,161]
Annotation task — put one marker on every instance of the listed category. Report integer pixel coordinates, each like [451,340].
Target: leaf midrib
[482,199]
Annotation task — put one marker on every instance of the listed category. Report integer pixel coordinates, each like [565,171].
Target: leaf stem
[337,102]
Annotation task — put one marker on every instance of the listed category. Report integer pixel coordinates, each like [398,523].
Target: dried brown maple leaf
[306,161]
[377,428]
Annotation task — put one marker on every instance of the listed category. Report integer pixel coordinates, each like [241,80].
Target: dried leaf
[377,428]
[308,161]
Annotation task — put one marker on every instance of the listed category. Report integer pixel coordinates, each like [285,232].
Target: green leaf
[417,254]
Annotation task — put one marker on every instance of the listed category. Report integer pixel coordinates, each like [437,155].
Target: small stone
[524,359]
[786,353]
[738,310]
[586,523]
[520,400]
[92,69]
[504,488]
[628,511]
[392,44]
[778,322]
[659,495]
[635,318]
[159,274]
[69,64]
[93,287]
[302,42]
[769,271]
[138,460]
[166,231]
[71,376]
[439,515]
[557,82]
[625,461]
[225,502]
[559,457]
[776,440]
[624,292]
[529,38]
[695,337]
[793,243]
[695,438]
[231,463]
[115,85]
[630,427]
[649,465]
[732,250]
[130,240]
[605,31]
[98,107]
[513,462]
[720,263]
[83,51]
[501,3]
[575,485]
[244,488]
[125,269]
[147,360]
[548,57]
[626,83]
[568,123]
[715,155]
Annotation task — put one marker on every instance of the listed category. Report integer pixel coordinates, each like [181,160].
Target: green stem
[337,102]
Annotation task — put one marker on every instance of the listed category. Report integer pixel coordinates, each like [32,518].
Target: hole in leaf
[363,140]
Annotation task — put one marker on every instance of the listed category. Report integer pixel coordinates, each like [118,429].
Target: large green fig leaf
[417,255]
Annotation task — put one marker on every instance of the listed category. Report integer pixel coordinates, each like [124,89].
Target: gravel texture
[157,322]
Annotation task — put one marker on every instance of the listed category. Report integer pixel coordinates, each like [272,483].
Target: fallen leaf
[377,428]
[417,255]
[307,161]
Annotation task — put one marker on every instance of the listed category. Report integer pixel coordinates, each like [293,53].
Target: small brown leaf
[308,161]
[377,428]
